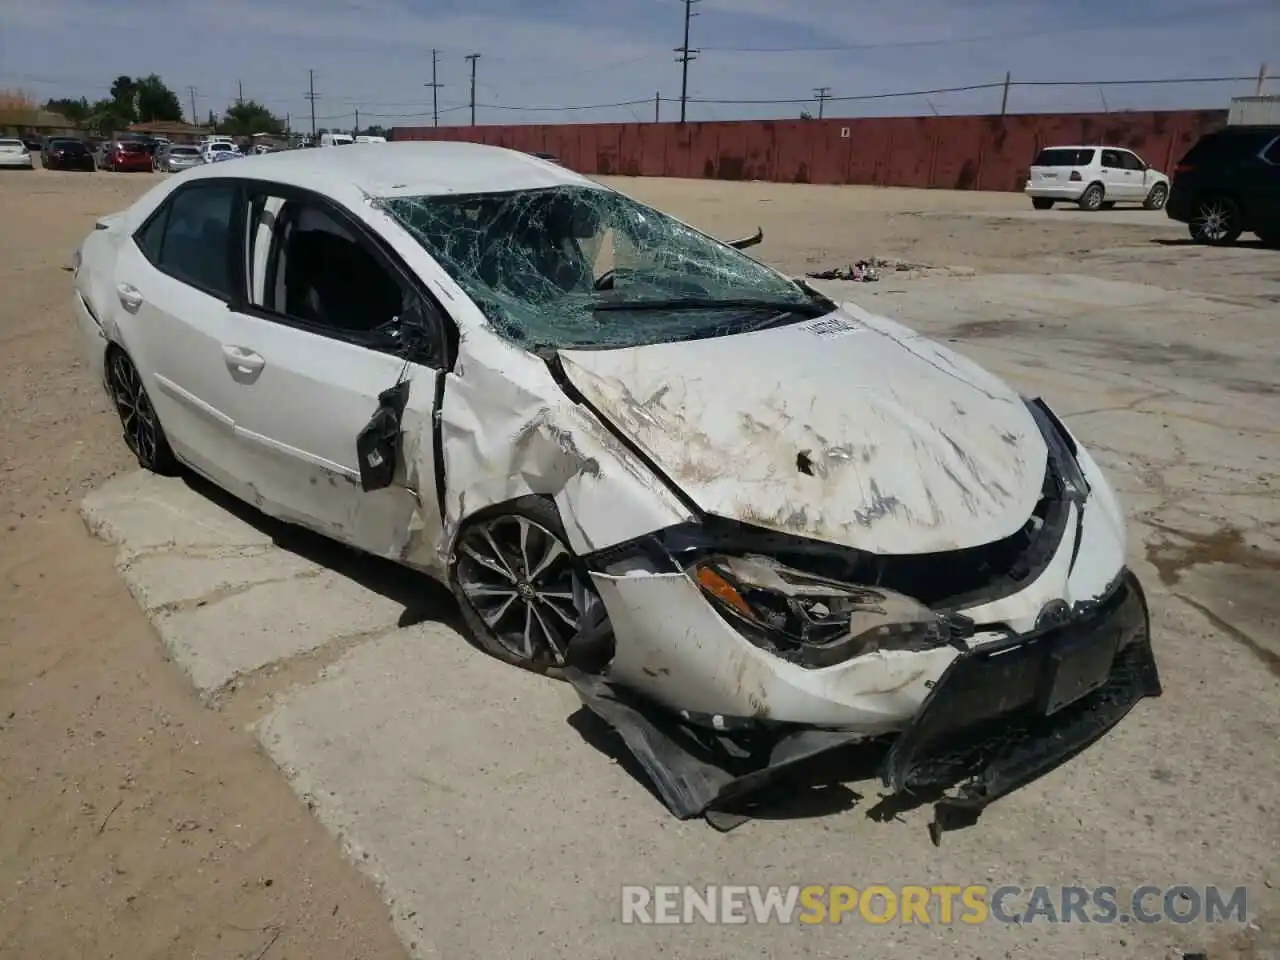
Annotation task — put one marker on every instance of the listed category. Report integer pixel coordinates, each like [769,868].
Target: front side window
[575,266]
[192,246]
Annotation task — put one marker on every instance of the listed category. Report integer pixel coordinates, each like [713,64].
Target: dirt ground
[133,821]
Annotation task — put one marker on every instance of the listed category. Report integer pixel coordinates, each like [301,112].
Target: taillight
[1075,175]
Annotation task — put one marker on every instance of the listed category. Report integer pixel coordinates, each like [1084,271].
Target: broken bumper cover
[1000,716]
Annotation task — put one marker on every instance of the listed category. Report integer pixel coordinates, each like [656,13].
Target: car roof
[405,168]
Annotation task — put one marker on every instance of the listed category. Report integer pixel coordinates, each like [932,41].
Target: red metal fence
[954,153]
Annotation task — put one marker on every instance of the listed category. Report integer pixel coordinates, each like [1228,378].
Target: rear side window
[188,237]
[1061,157]
[1226,145]
[1272,153]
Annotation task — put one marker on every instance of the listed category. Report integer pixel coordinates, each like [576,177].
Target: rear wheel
[1041,203]
[1156,198]
[520,587]
[142,430]
[1092,198]
[1216,221]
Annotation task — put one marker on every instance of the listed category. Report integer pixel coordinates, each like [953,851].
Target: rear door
[1116,177]
[316,335]
[174,278]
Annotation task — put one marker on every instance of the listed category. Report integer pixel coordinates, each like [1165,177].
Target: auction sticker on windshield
[829,327]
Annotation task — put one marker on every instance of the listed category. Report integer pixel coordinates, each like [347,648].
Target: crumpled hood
[849,429]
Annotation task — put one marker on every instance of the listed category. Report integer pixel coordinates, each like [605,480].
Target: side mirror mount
[378,444]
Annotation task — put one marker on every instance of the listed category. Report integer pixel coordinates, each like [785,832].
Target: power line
[473,57]
[686,54]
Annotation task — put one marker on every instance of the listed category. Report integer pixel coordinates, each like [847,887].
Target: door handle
[130,296]
[242,360]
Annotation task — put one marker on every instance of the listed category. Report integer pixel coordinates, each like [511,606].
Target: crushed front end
[735,654]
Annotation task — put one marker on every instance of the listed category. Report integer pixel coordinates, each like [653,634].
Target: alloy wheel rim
[521,581]
[1158,197]
[1214,220]
[134,407]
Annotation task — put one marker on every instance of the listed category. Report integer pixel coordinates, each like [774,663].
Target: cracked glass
[582,267]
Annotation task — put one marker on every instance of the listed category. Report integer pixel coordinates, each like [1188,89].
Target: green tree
[250,117]
[124,101]
[154,101]
[77,111]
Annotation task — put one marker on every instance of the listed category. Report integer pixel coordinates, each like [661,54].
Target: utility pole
[356,132]
[288,127]
[312,96]
[824,94]
[1262,79]
[657,103]
[1004,97]
[240,96]
[195,120]
[473,57]
[686,54]
[435,88]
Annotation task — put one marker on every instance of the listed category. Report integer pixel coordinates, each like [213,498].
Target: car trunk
[1057,165]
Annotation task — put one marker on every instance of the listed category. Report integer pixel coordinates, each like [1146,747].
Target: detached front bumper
[1000,716]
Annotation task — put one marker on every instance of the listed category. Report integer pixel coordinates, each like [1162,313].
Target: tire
[1156,198]
[1092,198]
[1042,203]
[1216,221]
[521,604]
[138,420]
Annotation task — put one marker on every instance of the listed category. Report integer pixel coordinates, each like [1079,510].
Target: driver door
[310,347]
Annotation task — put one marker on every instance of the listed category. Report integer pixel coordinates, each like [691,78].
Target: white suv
[1096,178]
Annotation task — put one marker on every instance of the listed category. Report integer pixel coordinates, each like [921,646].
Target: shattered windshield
[576,266]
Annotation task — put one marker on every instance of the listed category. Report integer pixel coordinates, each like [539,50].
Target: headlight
[817,622]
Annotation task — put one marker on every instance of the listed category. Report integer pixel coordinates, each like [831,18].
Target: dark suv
[1229,183]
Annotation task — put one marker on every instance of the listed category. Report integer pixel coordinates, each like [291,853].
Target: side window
[304,263]
[1131,162]
[151,236]
[195,228]
[1272,153]
[1111,159]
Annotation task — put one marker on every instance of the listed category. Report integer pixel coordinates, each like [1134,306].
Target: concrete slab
[496,828]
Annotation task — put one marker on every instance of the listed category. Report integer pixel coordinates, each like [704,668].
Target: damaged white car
[747,522]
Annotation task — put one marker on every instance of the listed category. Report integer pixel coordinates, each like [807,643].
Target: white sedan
[723,506]
[14,153]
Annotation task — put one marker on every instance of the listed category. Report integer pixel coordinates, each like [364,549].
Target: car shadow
[422,598]
[1188,242]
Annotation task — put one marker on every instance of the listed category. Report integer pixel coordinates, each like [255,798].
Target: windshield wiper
[808,309]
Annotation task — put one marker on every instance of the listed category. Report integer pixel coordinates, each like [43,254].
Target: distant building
[174,131]
[20,121]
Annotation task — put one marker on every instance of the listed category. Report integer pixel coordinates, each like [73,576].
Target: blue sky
[375,55]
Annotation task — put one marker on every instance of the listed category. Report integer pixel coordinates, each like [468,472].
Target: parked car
[1229,183]
[14,154]
[218,145]
[178,156]
[336,139]
[641,459]
[66,153]
[32,143]
[1095,178]
[124,155]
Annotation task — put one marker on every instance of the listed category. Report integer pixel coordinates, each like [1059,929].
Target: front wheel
[1216,222]
[519,585]
[1041,203]
[142,430]
[1156,198]
[1092,198]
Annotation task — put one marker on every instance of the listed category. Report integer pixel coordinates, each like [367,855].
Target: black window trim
[162,211]
[445,353]
[1266,148]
